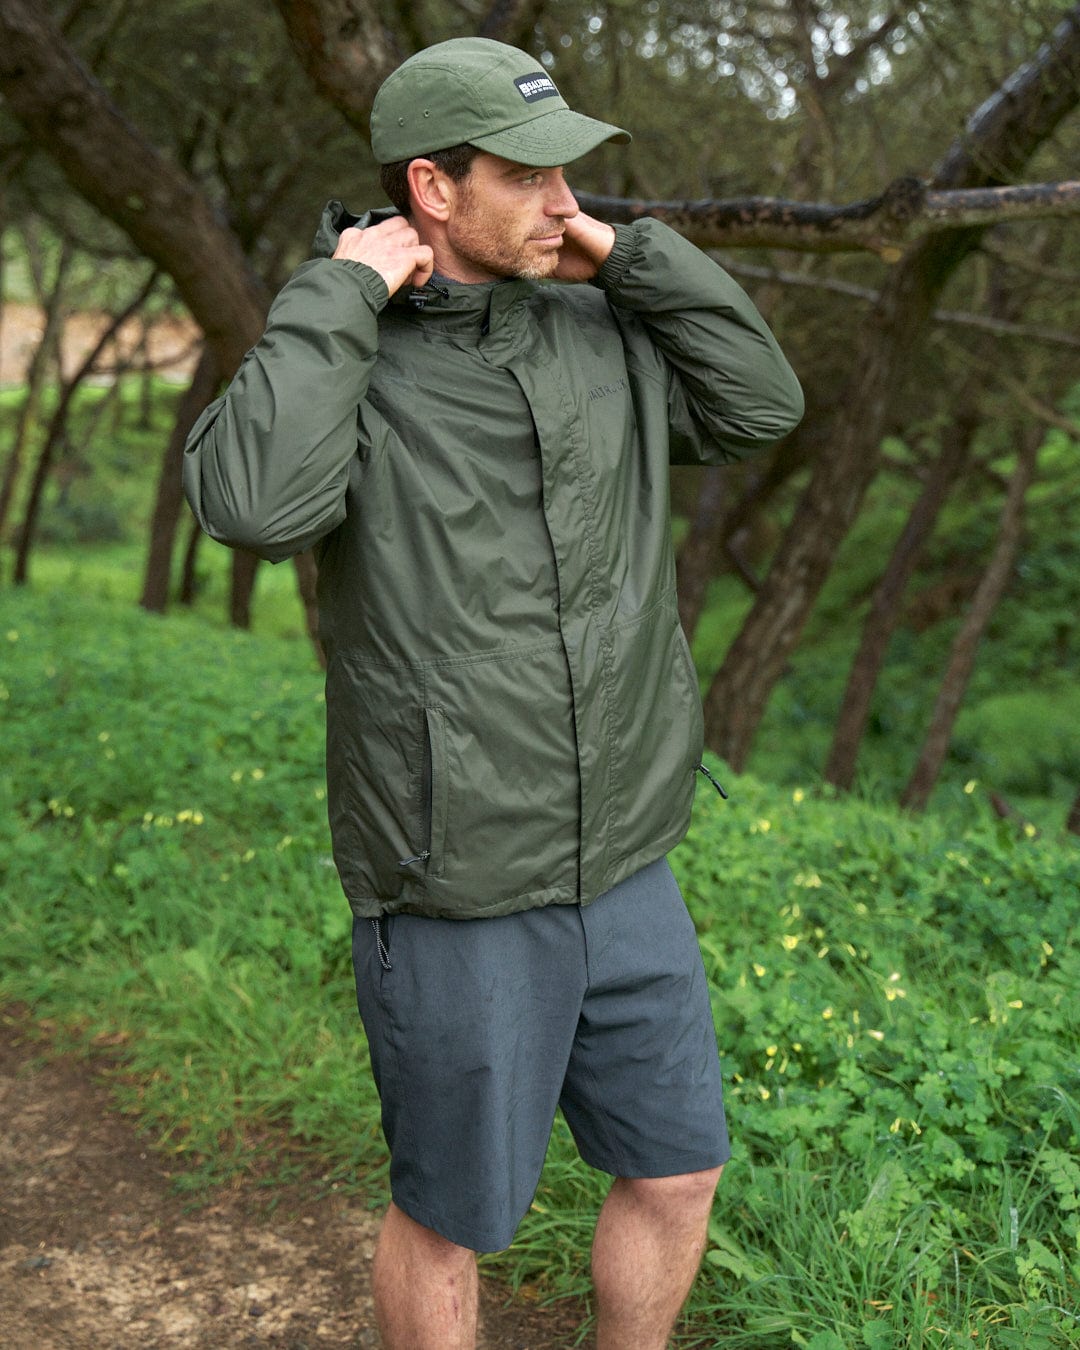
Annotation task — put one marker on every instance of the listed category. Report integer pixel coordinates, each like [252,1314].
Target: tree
[999,140]
[57,425]
[962,657]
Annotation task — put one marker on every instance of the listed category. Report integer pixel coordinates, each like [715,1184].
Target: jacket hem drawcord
[702,769]
[381,947]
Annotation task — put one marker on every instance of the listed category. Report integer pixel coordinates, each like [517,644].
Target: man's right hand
[392,248]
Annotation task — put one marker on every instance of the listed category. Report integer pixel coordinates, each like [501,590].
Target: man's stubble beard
[476,241]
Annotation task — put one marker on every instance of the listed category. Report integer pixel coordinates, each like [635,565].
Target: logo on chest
[606,390]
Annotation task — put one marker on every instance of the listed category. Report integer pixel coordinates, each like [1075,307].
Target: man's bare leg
[648,1245]
[425,1288]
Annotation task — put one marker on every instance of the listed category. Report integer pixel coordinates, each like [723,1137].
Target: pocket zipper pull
[702,769]
[418,857]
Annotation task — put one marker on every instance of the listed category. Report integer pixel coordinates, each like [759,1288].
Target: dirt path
[99,1251]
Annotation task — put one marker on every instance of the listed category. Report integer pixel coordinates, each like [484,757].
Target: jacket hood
[459,305]
[336,218]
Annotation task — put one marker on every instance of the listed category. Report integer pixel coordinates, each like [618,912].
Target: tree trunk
[52,303]
[1072,823]
[307,575]
[711,532]
[999,139]
[884,615]
[242,587]
[170,495]
[345,49]
[57,429]
[736,700]
[962,657]
[188,580]
[699,557]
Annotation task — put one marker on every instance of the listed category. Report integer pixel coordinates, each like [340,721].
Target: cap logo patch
[532,88]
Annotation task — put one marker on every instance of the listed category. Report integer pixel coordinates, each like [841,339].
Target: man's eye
[531,179]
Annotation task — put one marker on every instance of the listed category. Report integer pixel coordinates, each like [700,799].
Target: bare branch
[1024,262]
[986,323]
[1045,414]
[848,65]
[1038,408]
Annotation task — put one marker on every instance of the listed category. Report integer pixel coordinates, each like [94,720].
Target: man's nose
[562,201]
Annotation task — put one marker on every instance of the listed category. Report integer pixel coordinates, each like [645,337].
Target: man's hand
[585,247]
[392,248]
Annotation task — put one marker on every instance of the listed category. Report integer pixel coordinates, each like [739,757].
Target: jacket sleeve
[731,390]
[267,464]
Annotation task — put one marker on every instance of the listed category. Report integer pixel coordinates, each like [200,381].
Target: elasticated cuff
[618,260]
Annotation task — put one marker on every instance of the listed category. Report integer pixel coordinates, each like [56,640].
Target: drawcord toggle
[418,296]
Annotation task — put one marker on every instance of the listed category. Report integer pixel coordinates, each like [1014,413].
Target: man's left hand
[585,247]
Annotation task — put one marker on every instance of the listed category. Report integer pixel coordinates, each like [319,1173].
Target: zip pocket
[433,794]
[438,788]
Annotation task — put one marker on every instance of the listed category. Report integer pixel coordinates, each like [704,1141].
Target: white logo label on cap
[533,87]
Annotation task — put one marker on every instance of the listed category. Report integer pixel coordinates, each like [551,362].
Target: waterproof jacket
[513,716]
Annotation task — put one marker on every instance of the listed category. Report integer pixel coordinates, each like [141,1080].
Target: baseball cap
[474,91]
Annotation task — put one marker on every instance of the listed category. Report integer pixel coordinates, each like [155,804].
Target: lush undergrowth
[895,998]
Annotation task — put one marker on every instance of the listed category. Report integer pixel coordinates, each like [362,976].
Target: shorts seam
[403,1096]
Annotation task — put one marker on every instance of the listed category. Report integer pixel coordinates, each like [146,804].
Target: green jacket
[513,716]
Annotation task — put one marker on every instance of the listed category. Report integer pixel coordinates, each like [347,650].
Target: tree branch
[887,225]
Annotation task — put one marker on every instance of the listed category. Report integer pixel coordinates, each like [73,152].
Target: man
[513,724]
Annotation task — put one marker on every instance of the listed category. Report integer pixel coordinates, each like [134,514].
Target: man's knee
[399,1232]
[689,1193]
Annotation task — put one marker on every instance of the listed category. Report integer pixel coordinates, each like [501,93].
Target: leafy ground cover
[896,998]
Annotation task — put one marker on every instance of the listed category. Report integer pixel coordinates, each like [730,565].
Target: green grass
[895,997]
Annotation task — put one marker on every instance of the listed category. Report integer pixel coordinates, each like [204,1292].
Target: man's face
[507,221]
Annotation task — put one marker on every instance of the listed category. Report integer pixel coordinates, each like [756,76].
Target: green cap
[472,91]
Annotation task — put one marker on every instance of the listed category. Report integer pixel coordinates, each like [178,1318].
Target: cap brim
[558,137]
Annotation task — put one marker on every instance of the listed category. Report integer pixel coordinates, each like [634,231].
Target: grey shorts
[481,1028]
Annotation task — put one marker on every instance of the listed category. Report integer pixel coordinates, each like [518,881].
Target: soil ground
[99,1250]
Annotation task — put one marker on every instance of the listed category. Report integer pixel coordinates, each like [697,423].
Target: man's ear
[430,190]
